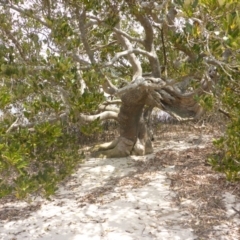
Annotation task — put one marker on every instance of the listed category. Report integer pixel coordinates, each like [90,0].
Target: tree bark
[134,137]
[138,99]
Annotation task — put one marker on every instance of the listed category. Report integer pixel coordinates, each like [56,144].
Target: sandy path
[105,199]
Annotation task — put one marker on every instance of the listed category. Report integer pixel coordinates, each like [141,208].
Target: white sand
[105,199]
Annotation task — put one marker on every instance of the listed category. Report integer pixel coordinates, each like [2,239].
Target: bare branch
[127,52]
[186,50]
[108,108]
[26,13]
[164,53]
[116,101]
[143,19]
[79,59]
[108,87]
[19,122]
[101,116]
[137,69]
[148,41]
[225,113]
[86,118]
[16,43]
[142,83]
[103,46]
[97,20]
[81,25]
[130,38]
[14,125]
[62,117]
[168,25]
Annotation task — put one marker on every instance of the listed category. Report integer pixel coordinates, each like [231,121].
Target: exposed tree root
[122,147]
[142,147]
[106,146]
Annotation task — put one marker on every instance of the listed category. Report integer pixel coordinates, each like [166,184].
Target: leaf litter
[170,194]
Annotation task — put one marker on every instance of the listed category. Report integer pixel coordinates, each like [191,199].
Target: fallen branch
[237,211]
[225,113]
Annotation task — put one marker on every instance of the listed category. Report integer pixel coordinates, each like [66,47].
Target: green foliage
[42,82]
[228,159]
[34,161]
[92,127]
[229,145]
[5,97]
[206,101]
[222,38]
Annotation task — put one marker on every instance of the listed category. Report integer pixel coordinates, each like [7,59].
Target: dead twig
[237,211]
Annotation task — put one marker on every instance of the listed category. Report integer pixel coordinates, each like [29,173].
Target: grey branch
[148,41]
[108,87]
[86,118]
[82,28]
[19,123]
[142,83]
[101,116]
[108,108]
[16,43]
[124,34]
[136,65]
[115,101]
[127,52]
[25,12]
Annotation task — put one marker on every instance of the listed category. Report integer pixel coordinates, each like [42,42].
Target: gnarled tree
[140,38]
[144,91]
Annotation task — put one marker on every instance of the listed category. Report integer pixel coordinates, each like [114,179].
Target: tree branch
[164,52]
[186,50]
[130,38]
[19,122]
[142,83]
[79,59]
[225,113]
[108,108]
[81,25]
[103,46]
[25,12]
[116,101]
[97,20]
[136,65]
[127,52]
[148,41]
[108,87]
[101,116]
[86,118]
[16,43]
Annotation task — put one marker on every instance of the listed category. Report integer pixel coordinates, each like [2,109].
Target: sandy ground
[115,199]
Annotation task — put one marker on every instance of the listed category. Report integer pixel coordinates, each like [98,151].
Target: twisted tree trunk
[153,91]
[134,131]
[134,137]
